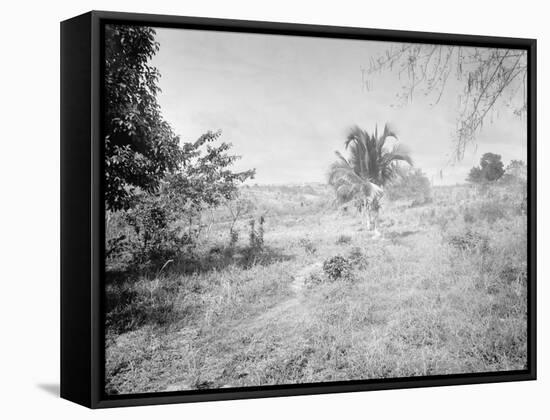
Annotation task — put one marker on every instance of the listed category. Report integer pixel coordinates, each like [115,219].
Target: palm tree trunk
[374,220]
[375,208]
[366,213]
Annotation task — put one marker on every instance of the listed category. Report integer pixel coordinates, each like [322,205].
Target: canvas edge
[75,171]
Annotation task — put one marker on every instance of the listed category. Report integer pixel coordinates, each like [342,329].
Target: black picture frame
[82,208]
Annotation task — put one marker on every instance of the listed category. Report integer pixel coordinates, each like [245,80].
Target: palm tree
[370,166]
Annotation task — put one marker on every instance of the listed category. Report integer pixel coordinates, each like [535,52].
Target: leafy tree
[162,187]
[475,176]
[370,166]
[488,77]
[491,166]
[140,146]
[412,184]
[517,169]
[205,178]
[490,169]
[168,222]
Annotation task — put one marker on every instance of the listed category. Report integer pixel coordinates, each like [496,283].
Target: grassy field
[442,290]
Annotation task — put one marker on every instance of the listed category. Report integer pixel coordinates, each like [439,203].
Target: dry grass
[418,302]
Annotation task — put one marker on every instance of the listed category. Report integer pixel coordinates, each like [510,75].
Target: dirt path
[294,303]
[289,313]
[300,277]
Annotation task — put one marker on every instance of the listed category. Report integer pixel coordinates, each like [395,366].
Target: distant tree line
[491,168]
[412,184]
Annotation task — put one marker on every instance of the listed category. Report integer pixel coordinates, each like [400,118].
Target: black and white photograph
[286,209]
[275,210]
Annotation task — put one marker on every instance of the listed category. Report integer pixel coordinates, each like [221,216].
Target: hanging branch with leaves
[488,76]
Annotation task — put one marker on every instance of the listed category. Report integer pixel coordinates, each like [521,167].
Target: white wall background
[29,231]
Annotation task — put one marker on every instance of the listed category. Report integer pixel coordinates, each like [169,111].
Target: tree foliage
[168,222]
[140,146]
[516,169]
[371,164]
[413,184]
[157,235]
[161,187]
[487,76]
[205,178]
[475,176]
[490,169]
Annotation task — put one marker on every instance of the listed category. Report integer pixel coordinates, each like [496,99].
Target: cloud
[285,103]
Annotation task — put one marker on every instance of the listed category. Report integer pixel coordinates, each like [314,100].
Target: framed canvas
[255,209]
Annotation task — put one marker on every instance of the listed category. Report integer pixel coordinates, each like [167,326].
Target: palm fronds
[370,164]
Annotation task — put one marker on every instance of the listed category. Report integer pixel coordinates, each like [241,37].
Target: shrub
[337,268]
[256,235]
[115,246]
[469,241]
[356,257]
[163,217]
[412,185]
[308,246]
[343,239]
[117,253]
[157,237]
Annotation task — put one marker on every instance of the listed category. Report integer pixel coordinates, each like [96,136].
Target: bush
[412,185]
[118,256]
[469,241]
[157,237]
[163,219]
[356,257]
[115,246]
[337,268]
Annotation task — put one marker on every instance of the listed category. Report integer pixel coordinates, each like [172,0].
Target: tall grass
[443,291]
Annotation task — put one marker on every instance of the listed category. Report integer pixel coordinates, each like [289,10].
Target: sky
[286,104]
